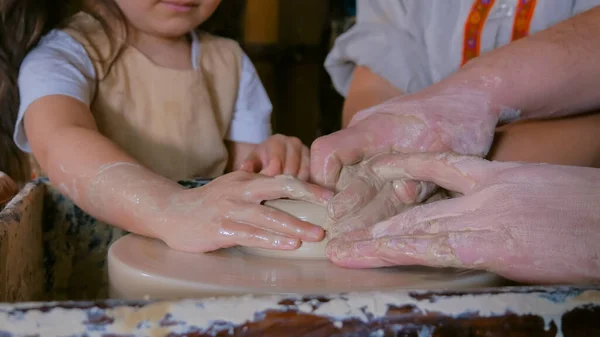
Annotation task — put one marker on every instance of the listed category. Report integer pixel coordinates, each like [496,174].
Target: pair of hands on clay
[526,222]
[230,211]
[455,120]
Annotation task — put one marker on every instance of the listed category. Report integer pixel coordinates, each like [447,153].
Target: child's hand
[227,212]
[279,155]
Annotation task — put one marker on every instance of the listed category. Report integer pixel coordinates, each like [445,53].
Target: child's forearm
[366,90]
[569,141]
[106,182]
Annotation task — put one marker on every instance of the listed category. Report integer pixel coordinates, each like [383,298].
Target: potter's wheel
[141,267]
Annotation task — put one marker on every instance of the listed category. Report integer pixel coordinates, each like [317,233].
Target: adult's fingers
[440,234]
[411,192]
[384,205]
[355,191]
[377,133]
[452,172]
[276,221]
[329,154]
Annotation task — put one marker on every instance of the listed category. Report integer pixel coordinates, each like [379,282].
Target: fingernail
[287,243]
[315,234]
[402,192]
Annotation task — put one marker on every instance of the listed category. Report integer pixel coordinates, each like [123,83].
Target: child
[126,97]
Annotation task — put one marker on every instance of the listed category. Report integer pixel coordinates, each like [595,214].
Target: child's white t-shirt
[59,65]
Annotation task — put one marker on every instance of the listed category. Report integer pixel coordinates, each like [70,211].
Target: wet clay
[303,210]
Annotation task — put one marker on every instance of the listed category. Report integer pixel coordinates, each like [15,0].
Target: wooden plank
[525,311]
[22,272]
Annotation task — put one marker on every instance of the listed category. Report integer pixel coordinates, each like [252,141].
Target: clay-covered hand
[526,222]
[228,212]
[363,198]
[456,120]
[278,155]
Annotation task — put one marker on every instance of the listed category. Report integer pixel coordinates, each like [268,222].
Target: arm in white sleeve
[387,40]
[59,65]
[251,122]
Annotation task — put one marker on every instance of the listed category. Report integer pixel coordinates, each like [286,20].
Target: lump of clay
[303,210]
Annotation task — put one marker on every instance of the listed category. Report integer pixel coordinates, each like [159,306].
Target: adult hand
[526,222]
[228,212]
[279,155]
[457,120]
[364,198]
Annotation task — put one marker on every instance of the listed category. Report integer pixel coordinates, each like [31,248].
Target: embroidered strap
[523,15]
[476,21]
[474,27]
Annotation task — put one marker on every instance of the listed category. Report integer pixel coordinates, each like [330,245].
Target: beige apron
[172,121]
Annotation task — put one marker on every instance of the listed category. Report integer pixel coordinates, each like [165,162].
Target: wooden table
[512,311]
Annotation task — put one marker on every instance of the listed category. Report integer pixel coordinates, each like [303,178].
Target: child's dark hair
[23,23]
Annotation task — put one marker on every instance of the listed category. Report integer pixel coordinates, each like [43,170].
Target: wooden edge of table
[508,311]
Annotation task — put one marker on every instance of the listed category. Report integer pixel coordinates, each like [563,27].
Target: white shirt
[416,43]
[59,65]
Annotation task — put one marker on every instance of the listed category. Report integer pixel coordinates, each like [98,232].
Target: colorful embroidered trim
[474,27]
[476,21]
[523,16]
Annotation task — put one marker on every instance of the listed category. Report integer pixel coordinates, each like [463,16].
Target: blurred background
[288,41]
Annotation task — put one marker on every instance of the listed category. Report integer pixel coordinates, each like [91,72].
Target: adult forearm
[105,181]
[553,73]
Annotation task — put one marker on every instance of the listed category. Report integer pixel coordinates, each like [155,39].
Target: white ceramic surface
[140,267]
